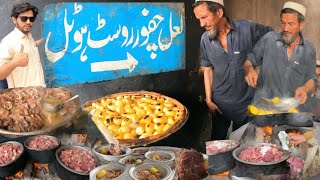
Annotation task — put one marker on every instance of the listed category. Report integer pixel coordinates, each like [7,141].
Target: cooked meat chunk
[190,164]
[21,111]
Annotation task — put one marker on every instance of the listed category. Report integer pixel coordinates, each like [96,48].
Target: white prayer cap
[217,1]
[318,62]
[295,6]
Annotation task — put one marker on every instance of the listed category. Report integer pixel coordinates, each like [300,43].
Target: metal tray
[236,153]
[45,130]
[151,139]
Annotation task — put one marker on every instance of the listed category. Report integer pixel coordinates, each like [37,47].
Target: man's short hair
[23,7]
[212,6]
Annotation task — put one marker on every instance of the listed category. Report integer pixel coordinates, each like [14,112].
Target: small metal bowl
[104,157]
[140,151]
[65,172]
[123,160]
[164,170]
[41,155]
[110,166]
[11,168]
[169,155]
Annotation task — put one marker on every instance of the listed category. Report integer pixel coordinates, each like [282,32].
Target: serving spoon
[54,105]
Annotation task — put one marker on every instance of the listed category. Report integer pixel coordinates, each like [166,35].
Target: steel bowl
[64,171]
[126,151]
[123,160]
[140,151]
[236,153]
[41,155]
[169,155]
[164,170]
[11,168]
[110,166]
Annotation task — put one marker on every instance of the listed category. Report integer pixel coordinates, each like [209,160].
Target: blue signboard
[90,42]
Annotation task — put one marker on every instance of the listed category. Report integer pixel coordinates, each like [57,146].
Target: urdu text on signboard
[92,42]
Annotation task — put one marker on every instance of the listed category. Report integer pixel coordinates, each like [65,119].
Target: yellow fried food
[153,170]
[275,100]
[136,116]
[293,110]
[101,173]
[253,110]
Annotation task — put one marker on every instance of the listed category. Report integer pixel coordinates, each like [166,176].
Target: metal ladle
[54,105]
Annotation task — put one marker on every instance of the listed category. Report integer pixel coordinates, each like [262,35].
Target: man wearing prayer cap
[288,61]
[223,49]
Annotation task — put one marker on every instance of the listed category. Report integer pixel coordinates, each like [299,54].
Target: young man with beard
[19,55]
[287,60]
[224,47]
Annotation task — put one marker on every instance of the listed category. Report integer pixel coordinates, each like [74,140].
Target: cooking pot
[11,168]
[221,162]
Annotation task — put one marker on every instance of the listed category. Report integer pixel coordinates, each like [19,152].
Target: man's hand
[38,42]
[301,94]
[251,74]
[252,78]
[296,139]
[21,59]
[213,107]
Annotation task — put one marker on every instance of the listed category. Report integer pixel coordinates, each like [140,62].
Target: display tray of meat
[260,154]
[21,112]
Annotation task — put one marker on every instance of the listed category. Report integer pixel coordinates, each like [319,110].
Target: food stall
[135,119]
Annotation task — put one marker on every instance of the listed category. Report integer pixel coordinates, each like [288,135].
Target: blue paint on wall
[90,42]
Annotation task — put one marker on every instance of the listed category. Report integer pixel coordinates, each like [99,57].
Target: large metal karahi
[67,120]
[155,138]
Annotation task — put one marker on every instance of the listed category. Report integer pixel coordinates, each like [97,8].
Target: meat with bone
[21,111]
[260,154]
[190,164]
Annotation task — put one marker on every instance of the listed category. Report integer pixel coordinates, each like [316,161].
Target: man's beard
[213,34]
[288,41]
